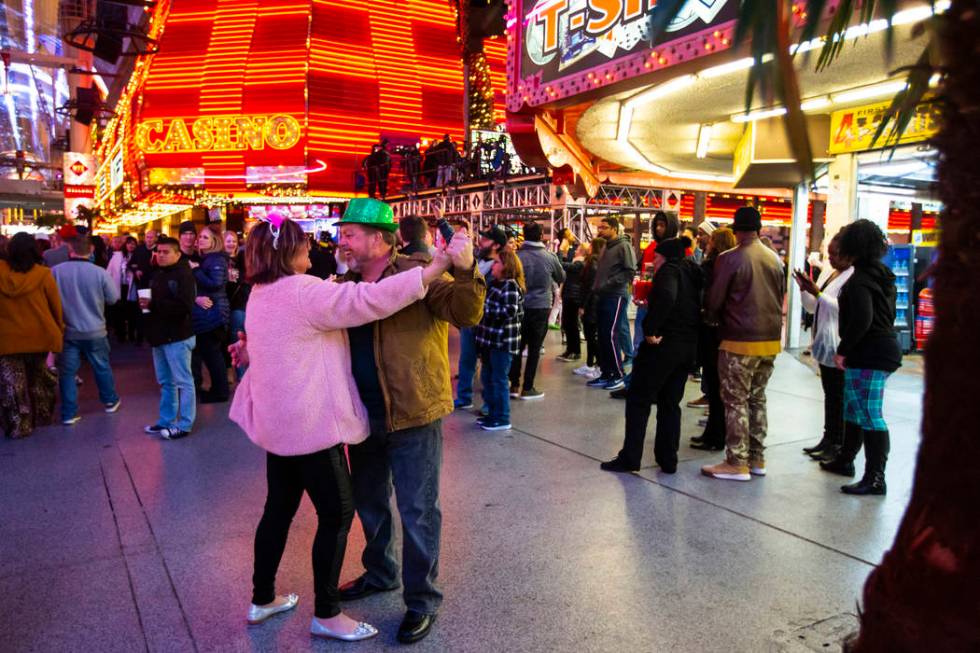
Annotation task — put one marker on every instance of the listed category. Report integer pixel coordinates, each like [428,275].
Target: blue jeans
[467,365]
[237,324]
[412,460]
[613,332]
[496,384]
[172,363]
[96,352]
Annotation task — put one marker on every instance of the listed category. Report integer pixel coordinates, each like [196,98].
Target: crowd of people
[709,298]
[442,164]
[181,295]
[708,301]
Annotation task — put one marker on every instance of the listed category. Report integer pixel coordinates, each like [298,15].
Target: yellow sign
[218,133]
[925,237]
[744,152]
[852,130]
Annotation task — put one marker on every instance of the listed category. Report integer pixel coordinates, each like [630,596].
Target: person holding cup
[168,303]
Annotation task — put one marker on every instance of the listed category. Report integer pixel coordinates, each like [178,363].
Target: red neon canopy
[349,71]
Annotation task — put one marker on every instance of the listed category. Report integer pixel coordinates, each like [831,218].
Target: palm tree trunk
[924,595]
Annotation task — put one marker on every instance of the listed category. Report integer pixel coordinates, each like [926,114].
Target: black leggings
[832,380]
[591,330]
[326,479]
[569,324]
[209,350]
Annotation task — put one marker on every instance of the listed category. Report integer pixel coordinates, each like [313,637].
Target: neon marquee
[218,134]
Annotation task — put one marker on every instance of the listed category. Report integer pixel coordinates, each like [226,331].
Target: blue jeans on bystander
[96,352]
[494,373]
[467,366]
[172,362]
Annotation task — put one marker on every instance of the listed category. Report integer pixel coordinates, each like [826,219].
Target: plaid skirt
[864,392]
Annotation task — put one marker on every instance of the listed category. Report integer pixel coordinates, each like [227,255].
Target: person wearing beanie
[187,235]
[746,301]
[664,359]
[665,225]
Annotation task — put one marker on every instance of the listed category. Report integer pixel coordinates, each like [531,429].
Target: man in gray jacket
[85,290]
[613,277]
[542,271]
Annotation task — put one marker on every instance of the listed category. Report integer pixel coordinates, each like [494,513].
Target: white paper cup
[144,293]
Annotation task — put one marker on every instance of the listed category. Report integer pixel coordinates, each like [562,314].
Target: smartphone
[445,229]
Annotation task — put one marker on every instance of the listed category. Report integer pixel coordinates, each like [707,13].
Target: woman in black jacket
[713,438]
[661,367]
[590,325]
[571,304]
[868,353]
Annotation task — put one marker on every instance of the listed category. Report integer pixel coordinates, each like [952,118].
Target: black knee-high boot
[843,463]
[876,447]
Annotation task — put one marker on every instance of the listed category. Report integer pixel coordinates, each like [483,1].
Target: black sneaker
[173,434]
[495,425]
[531,395]
[515,391]
[155,429]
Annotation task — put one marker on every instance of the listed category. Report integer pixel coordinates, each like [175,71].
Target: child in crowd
[498,336]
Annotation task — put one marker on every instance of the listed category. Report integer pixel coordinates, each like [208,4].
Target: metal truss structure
[540,200]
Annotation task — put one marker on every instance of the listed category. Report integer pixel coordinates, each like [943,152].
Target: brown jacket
[412,346]
[30,311]
[746,295]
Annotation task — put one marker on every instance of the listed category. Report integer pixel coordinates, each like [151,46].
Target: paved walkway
[114,541]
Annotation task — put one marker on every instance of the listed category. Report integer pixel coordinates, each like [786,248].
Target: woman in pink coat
[299,402]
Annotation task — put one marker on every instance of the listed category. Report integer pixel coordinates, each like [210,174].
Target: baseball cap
[67,232]
[186,226]
[495,233]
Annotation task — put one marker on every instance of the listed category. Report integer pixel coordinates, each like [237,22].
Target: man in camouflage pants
[746,300]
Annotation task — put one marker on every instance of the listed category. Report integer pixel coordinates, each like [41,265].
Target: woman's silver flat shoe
[363,631]
[257,614]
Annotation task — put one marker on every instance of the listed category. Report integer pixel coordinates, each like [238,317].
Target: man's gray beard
[352,263]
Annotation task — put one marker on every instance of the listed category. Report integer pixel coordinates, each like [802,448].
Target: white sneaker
[582,371]
[594,374]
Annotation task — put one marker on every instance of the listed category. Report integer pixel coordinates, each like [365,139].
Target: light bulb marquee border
[561,72]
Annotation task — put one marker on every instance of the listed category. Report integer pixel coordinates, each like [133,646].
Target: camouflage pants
[743,389]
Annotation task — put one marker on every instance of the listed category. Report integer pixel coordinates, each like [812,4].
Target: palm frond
[904,106]
[662,15]
[788,86]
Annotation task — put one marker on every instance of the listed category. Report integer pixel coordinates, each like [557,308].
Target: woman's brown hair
[598,246]
[217,244]
[512,268]
[722,240]
[267,264]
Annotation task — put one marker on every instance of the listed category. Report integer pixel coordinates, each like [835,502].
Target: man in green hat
[401,368]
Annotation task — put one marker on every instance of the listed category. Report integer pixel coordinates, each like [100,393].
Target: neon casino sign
[218,134]
[563,37]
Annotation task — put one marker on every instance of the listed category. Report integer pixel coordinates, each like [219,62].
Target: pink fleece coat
[299,396]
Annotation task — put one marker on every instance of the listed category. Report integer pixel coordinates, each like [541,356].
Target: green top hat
[369,212]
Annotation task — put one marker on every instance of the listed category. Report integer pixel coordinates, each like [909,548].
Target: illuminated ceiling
[662,132]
